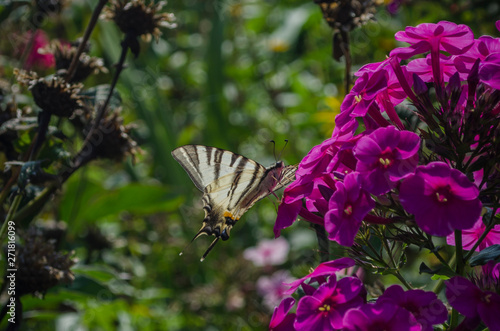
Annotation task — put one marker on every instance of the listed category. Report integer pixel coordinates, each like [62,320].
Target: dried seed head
[346,15]
[51,230]
[95,240]
[136,18]
[40,266]
[53,94]
[64,53]
[49,6]
[112,140]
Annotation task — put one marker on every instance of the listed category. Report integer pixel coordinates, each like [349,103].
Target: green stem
[453,319]
[103,107]
[323,242]
[93,21]
[402,280]
[440,258]
[379,257]
[459,252]
[389,253]
[395,271]
[28,48]
[439,285]
[35,205]
[346,49]
[10,215]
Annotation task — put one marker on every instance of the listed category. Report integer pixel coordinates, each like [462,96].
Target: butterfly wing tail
[209,248]
[204,230]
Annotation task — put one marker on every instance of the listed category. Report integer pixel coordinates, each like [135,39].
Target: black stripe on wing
[236,178]
[251,186]
[187,157]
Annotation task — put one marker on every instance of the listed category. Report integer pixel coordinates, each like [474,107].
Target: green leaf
[87,201]
[491,253]
[134,198]
[97,95]
[441,271]
[100,274]
[438,277]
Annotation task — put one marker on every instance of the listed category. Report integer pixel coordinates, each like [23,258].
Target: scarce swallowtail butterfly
[230,183]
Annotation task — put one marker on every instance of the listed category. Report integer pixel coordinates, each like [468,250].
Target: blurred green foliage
[233,74]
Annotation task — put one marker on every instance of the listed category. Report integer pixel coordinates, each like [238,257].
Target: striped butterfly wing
[231,184]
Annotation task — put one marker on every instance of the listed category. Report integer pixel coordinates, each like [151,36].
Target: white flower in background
[272,288]
[268,252]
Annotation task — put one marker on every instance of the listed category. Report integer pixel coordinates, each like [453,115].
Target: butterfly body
[231,184]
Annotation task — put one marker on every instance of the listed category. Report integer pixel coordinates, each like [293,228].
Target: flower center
[443,194]
[441,197]
[386,159]
[325,308]
[385,162]
[486,298]
[348,210]
[358,98]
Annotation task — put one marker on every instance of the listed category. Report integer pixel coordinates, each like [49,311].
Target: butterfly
[231,184]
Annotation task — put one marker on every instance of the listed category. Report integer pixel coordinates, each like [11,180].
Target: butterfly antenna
[209,248]
[286,143]
[274,148]
[199,234]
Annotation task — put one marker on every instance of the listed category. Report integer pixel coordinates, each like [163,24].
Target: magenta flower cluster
[427,174]
[415,148]
[333,303]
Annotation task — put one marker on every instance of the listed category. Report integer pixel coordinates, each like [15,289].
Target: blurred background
[234,74]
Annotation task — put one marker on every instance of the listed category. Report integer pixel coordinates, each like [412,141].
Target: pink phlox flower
[385,156]
[423,68]
[394,90]
[287,214]
[450,37]
[354,271]
[489,71]
[442,199]
[372,67]
[345,124]
[325,308]
[324,269]
[478,177]
[324,186]
[331,155]
[425,306]
[363,93]
[482,48]
[472,235]
[380,316]
[393,6]
[282,320]
[268,252]
[447,36]
[347,207]
[272,288]
[475,304]
[35,58]
[315,163]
